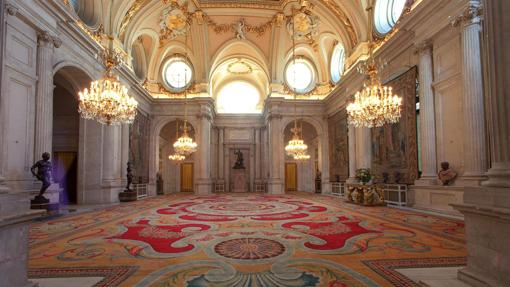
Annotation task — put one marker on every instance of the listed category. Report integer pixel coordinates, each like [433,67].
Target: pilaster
[427,130]
[275,182]
[204,184]
[352,155]
[44,95]
[486,208]
[475,150]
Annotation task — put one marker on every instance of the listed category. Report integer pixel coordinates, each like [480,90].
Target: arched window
[238,97]
[387,13]
[300,75]
[337,63]
[177,74]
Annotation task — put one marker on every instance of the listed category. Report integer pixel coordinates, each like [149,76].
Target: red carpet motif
[294,240]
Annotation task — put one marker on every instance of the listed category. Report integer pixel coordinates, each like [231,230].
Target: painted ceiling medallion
[239,67]
[174,20]
[306,25]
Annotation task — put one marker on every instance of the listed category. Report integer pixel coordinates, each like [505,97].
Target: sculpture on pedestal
[129,176]
[240,161]
[43,174]
[128,194]
[446,174]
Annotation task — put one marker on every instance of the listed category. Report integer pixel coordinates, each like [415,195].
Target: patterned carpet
[293,240]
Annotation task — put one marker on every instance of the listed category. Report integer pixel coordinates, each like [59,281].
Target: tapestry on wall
[338,147]
[139,148]
[394,147]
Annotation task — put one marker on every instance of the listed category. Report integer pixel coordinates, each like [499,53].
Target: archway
[68,82]
[304,171]
[174,176]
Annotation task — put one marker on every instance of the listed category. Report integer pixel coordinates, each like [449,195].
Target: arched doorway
[66,130]
[300,175]
[175,176]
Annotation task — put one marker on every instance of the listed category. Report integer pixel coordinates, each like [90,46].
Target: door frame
[296,175]
[192,176]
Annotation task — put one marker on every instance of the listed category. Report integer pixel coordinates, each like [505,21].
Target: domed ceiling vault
[252,31]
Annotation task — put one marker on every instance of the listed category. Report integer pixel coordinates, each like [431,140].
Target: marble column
[475,151]
[204,154]
[352,155]
[44,95]
[427,130]
[275,182]
[221,160]
[257,154]
[366,148]
[324,158]
[486,208]
[125,153]
[111,182]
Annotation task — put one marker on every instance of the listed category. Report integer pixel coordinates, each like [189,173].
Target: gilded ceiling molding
[240,27]
[137,5]
[156,88]
[320,90]
[333,6]
[174,20]
[256,4]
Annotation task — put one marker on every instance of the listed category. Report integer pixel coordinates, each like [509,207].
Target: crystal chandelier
[185,145]
[296,146]
[107,100]
[375,105]
[176,157]
[301,156]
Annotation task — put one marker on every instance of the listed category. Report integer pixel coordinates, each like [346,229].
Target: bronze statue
[240,161]
[43,174]
[129,176]
[446,174]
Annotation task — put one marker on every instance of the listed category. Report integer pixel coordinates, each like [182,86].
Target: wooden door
[187,177]
[290,177]
[65,167]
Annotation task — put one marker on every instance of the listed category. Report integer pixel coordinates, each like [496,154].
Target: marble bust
[446,174]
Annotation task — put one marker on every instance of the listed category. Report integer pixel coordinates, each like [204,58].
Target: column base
[499,175]
[204,187]
[473,278]
[275,187]
[426,181]
[326,187]
[487,216]
[352,180]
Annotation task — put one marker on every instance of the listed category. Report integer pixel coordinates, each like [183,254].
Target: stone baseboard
[436,198]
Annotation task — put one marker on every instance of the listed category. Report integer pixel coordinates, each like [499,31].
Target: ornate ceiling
[150,31]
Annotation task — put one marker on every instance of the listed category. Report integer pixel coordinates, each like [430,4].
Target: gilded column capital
[471,15]
[424,47]
[44,38]
[11,9]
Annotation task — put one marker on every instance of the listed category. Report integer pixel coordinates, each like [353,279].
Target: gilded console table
[369,194]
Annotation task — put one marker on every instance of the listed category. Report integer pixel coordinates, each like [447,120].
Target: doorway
[290,177]
[65,169]
[187,177]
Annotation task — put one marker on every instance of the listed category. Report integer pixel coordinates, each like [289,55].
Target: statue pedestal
[15,217]
[239,176]
[127,196]
[52,196]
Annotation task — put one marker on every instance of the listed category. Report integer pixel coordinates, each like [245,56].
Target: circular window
[387,13]
[177,73]
[337,63]
[300,75]
[238,97]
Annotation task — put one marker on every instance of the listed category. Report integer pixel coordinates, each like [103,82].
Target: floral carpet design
[294,240]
